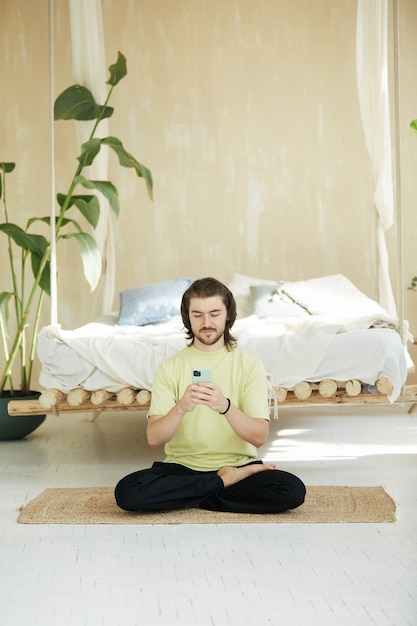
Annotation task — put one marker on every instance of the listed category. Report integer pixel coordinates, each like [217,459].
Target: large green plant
[20,308]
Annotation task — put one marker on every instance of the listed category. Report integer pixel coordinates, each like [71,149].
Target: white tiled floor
[323,574]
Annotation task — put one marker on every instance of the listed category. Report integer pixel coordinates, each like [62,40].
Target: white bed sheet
[101,355]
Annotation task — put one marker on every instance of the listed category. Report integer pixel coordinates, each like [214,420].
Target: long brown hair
[206,288]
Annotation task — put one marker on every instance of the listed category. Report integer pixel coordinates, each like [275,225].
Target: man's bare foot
[232,475]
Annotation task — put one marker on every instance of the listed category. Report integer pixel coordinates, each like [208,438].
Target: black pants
[171,486]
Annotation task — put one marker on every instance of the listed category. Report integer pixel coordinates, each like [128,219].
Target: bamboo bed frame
[325,393]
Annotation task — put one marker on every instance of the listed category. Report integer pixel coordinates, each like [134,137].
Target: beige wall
[247,115]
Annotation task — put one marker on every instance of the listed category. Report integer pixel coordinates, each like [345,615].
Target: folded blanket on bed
[289,357]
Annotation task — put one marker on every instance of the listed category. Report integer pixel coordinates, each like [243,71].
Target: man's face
[208,318]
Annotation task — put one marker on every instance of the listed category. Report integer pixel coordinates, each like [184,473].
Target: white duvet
[101,355]
[346,336]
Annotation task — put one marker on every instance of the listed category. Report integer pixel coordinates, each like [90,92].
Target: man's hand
[161,428]
[189,400]
[250,429]
[210,395]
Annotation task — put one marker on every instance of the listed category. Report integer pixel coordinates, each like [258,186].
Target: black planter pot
[17,426]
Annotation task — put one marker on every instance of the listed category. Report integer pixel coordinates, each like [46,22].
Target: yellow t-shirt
[205,441]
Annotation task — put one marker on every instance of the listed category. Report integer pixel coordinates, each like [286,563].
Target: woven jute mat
[96,505]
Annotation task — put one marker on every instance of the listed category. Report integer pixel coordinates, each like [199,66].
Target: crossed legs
[251,488]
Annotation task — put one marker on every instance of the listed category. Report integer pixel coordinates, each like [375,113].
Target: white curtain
[89,70]
[372,77]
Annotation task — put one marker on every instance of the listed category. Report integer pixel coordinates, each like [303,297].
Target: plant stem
[22,324]
[34,334]
[17,301]
[6,351]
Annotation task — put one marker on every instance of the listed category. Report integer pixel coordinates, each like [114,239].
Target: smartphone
[201,375]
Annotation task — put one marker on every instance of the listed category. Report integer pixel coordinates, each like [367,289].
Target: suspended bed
[322,340]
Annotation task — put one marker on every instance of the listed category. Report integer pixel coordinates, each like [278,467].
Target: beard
[209,340]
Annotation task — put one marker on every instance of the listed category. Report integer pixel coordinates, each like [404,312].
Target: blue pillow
[266,302]
[153,303]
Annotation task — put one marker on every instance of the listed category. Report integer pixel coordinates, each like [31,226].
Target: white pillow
[240,287]
[265,302]
[333,296]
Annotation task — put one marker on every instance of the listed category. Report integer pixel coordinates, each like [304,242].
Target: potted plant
[21,307]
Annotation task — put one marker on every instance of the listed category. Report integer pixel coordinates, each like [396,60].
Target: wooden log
[342,398]
[143,397]
[353,387]
[327,388]
[50,398]
[100,396]
[33,407]
[384,386]
[281,394]
[126,396]
[76,397]
[302,390]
